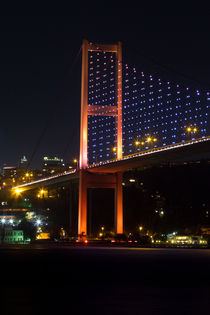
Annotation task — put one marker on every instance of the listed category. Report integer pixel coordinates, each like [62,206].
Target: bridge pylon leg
[82,215]
[119,204]
[86,181]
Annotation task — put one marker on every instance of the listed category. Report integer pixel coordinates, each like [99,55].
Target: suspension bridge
[129,119]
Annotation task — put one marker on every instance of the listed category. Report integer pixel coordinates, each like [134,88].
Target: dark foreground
[94,280]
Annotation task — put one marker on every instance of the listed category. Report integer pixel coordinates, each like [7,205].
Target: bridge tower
[88,180]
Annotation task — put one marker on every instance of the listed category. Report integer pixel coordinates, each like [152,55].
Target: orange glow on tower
[99,110]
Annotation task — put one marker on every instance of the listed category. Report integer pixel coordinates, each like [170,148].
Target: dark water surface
[100,280]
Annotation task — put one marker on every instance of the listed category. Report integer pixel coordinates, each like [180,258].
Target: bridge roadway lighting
[150,139]
[192,129]
[137,143]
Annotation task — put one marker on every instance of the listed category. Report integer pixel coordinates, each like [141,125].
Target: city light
[18,191]
[42,193]
[38,222]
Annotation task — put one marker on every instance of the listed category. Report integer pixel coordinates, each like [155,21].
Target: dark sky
[39,89]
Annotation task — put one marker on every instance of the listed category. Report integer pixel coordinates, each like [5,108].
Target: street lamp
[114,150]
[101,234]
[18,191]
[38,222]
[76,162]
[191,131]
[150,140]
[139,143]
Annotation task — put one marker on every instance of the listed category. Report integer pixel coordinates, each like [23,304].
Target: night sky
[40,74]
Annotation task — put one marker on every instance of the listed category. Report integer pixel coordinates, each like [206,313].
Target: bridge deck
[140,160]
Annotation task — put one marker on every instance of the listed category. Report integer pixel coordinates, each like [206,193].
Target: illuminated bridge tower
[88,180]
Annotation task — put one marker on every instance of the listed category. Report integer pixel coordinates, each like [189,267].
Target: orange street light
[76,162]
[192,129]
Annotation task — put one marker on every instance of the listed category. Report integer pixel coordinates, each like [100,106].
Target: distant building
[52,165]
[12,236]
[23,162]
[9,171]
[205,230]
[43,236]
[188,240]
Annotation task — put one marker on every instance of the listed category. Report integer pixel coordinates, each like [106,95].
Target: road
[100,280]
